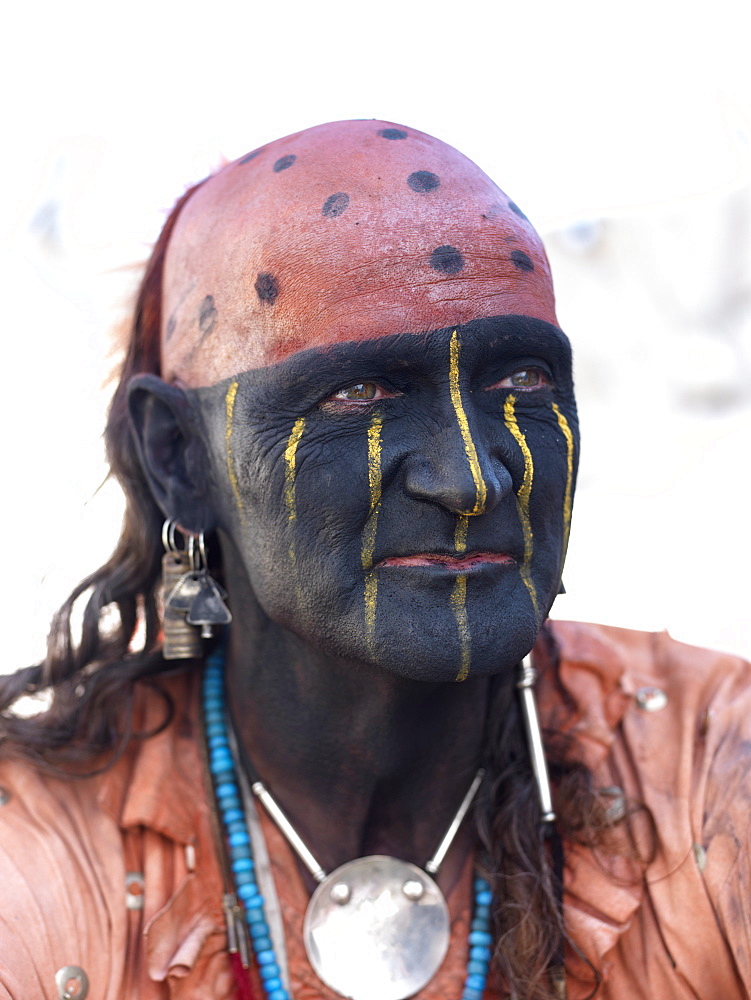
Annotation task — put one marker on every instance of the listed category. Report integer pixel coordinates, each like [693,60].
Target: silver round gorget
[376,929]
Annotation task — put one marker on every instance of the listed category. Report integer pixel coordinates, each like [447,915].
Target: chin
[419,654]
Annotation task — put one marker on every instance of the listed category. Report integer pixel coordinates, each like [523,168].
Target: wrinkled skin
[387,583]
[370,400]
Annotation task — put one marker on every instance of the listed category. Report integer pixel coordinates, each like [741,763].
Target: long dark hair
[90,683]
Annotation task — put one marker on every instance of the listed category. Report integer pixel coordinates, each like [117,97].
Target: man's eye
[524,379]
[361,392]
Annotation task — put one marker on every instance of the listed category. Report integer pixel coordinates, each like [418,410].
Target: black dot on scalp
[447,260]
[515,208]
[207,315]
[423,181]
[266,287]
[392,133]
[250,156]
[522,260]
[284,162]
[335,205]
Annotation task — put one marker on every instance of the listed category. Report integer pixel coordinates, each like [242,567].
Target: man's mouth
[458,563]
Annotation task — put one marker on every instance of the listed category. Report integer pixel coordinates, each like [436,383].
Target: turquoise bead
[276,994]
[480,954]
[477,968]
[258,929]
[484,898]
[226,789]
[238,839]
[242,865]
[269,970]
[475,982]
[250,895]
[480,937]
[273,984]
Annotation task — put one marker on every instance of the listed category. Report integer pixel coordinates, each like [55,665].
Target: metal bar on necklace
[437,860]
[532,725]
[295,841]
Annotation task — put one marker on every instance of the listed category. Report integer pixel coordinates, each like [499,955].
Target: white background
[621,130]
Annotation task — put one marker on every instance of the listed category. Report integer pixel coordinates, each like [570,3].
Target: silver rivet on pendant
[72,983]
[651,699]
[340,893]
[413,889]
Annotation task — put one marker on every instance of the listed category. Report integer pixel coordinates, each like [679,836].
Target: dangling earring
[190,595]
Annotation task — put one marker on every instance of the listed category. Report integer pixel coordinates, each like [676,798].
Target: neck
[361,761]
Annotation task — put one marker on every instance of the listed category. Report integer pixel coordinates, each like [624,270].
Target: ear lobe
[172,451]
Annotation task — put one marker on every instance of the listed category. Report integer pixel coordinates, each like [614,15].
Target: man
[347,372]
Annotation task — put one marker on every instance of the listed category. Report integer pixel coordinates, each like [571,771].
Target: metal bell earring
[191,597]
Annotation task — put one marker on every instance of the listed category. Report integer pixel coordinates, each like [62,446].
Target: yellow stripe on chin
[459,607]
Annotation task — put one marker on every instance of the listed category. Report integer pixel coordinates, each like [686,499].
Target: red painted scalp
[347,231]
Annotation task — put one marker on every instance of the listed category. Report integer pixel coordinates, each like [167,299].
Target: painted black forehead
[493,337]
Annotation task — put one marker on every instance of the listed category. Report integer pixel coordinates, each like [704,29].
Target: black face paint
[403,501]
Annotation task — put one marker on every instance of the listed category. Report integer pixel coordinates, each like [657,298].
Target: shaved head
[345,232]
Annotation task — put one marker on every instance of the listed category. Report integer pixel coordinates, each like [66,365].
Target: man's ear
[172,451]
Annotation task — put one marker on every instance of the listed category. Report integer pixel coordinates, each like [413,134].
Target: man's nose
[456,469]
[455,466]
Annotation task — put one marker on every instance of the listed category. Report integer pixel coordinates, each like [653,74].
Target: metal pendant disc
[376,942]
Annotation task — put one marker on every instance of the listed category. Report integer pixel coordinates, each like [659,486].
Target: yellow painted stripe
[459,607]
[290,472]
[371,603]
[522,498]
[371,525]
[374,483]
[290,459]
[460,533]
[481,490]
[563,424]
[229,410]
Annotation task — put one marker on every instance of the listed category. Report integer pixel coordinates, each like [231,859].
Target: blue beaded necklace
[234,824]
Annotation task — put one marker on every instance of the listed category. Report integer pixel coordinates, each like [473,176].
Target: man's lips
[459,563]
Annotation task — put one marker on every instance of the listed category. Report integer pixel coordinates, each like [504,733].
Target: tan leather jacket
[118,874]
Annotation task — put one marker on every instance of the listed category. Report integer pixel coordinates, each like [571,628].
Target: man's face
[366,323]
[403,500]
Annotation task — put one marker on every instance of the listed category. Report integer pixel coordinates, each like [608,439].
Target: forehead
[346,232]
